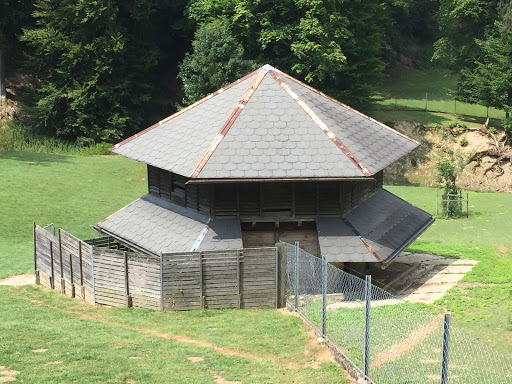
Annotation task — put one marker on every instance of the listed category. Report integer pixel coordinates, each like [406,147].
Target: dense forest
[100,70]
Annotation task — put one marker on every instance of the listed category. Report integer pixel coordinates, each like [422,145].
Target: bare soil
[483,157]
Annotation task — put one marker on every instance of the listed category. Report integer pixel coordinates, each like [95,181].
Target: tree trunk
[3,93]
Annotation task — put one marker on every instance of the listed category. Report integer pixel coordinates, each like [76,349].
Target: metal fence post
[368,299]
[324,295]
[446,349]
[296,275]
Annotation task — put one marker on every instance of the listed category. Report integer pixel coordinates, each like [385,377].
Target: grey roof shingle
[268,134]
[387,222]
[157,225]
[384,221]
[339,243]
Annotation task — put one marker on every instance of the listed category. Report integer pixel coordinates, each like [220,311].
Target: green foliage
[447,175]
[216,60]
[334,45]
[15,136]
[92,60]
[464,142]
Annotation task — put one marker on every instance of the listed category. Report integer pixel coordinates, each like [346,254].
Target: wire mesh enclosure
[388,340]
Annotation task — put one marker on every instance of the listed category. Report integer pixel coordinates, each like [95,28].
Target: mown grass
[73,192]
[107,345]
[411,87]
[482,305]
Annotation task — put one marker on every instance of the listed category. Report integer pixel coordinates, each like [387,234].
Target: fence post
[281,286]
[238,279]
[161,281]
[368,299]
[324,295]
[62,281]
[71,275]
[446,349]
[52,277]
[36,273]
[201,298]
[93,281]
[296,275]
[426,101]
[126,282]
[82,287]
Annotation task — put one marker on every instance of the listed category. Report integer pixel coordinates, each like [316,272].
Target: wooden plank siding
[258,200]
[240,278]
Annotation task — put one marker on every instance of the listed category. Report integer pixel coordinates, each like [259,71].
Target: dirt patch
[220,380]
[407,344]
[54,362]
[464,284]
[135,357]
[7,375]
[195,359]
[503,249]
[17,280]
[40,350]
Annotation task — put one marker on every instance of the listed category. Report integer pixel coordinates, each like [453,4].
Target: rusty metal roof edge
[347,107]
[261,73]
[408,242]
[363,241]
[180,112]
[360,166]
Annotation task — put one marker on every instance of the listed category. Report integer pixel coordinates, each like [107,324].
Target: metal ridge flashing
[180,112]
[321,124]
[346,106]
[229,122]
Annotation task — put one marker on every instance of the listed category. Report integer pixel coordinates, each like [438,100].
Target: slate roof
[267,125]
[156,225]
[378,229]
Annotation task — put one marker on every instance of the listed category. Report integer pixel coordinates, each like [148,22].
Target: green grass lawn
[50,338]
[483,306]
[410,86]
[73,192]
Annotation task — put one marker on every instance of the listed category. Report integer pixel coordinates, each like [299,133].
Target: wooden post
[161,281]
[201,298]
[126,283]
[82,288]
[52,277]
[281,286]
[238,277]
[36,272]
[62,281]
[71,275]
[93,281]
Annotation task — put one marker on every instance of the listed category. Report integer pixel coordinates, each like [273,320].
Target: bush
[464,142]
[451,199]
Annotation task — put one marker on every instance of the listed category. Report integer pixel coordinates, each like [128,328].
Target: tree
[216,60]
[91,59]
[334,45]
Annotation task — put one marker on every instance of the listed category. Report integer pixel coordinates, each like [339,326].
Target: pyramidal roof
[267,125]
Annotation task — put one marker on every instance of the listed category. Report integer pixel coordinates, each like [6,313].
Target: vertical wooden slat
[93,279]
[82,288]
[71,275]
[238,278]
[52,282]
[161,281]
[62,281]
[201,288]
[126,283]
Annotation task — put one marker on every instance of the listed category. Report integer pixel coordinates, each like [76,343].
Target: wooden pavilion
[267,159]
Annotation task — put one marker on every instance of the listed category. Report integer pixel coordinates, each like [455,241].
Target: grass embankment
[72,192]
[410,86]
[482,303]
[48,337]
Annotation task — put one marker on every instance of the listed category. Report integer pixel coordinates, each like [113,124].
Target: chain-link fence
[389,340]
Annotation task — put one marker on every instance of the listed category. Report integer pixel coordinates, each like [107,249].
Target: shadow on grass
[32,157]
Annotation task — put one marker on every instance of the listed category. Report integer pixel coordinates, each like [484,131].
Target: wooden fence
[240,278]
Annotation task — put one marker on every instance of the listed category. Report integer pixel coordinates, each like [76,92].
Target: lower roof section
[376,230]
[154,225]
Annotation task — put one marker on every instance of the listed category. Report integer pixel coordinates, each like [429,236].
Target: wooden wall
[171,187]
[243,278]
[263,200]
